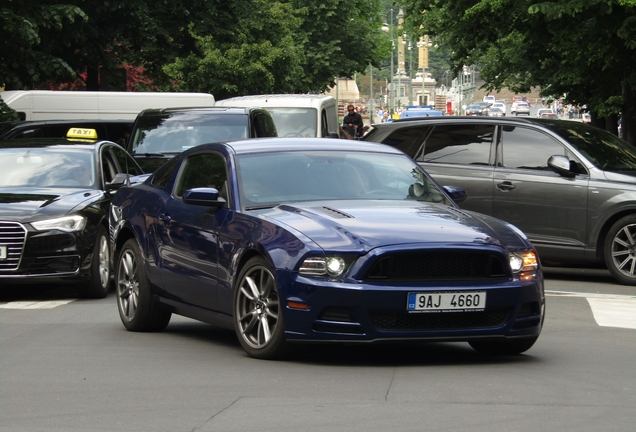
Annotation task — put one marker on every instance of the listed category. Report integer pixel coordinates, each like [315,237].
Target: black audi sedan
[54,200]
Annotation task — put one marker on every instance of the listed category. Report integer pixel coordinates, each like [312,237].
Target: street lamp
[410,48]
[385,28]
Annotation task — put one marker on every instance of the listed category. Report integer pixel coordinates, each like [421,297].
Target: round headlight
[335,266]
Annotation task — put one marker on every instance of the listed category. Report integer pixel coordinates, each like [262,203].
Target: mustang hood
[24,205]
[364,225]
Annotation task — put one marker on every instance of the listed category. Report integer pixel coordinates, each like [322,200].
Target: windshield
[274,178]
[294,122]
[178,132]
[605,150]
[45,167]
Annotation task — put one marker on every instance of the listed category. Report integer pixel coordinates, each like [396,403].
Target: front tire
[258,318]
[137,310]
[99,282]
[620,250]
[503,347]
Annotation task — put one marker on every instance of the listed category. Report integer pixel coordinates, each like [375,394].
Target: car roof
[266,145]
[199,110]
[54,142]
[464,119]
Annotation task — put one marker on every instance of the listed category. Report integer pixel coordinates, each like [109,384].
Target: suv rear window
[459,144]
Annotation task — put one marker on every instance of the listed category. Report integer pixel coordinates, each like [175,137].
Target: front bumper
[48,256]
[348,312]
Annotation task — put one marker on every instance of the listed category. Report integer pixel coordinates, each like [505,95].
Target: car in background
[569,186]
[502,106]
[520,108]
[278,239]
[545,111]
[420,112]
[477,109]
[496,112]
[54,199]
[490,99]
[295,115]
[111,130]
[160,134]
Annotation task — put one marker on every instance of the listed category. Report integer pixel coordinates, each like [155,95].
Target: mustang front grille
[440,321]
[12,237]
[439,265]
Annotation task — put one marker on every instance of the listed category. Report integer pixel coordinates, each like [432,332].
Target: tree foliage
[584,49]
[228,47]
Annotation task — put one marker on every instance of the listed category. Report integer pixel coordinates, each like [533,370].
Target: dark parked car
[570,187]
[297,240]
[478,109]
[160,134]
[54,200]
[112,130]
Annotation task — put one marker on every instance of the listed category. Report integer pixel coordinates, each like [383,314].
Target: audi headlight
[524,264]
[66,224]
[319,266]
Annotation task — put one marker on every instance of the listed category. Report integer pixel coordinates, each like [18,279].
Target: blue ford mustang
[299,240]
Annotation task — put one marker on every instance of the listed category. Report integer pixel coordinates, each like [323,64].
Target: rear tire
[137,309]
[504,347]
[99,282]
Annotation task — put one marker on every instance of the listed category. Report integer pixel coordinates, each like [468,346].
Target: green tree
[23,61]
[584,49]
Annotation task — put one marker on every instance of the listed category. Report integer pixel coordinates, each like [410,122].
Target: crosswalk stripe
[609,310]
[47,304]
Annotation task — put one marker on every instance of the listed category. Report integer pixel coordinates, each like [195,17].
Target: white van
[295,115]
[88,105]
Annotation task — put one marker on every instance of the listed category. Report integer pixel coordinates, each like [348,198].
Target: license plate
[446,302]
[3,253]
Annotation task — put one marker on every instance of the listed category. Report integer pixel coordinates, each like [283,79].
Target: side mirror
[561,165]
[457,194]
[203,197]
[118,181]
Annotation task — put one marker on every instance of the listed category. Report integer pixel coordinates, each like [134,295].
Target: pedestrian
[352,122]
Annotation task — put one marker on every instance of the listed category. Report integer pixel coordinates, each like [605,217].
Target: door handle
[165,218]
[505,186]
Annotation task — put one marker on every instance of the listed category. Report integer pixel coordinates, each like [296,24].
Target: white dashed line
[609,310]
[48,304]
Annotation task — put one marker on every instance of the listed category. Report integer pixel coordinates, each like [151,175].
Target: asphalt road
[69,365]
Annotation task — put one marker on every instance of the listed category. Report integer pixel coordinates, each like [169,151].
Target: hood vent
[336,214]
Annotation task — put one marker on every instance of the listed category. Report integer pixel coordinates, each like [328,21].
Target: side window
[459,144]
[525,148]
[409,140]
[202,170]
[109,164]
[161,176]
[124,161]
[264,126]
[324,127]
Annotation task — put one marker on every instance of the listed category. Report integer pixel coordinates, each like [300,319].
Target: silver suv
[570,187]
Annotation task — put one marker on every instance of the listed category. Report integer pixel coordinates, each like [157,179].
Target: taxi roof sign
[81,133]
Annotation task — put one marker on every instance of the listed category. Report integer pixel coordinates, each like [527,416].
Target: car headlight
[66,224]
[524,264]
[333,266]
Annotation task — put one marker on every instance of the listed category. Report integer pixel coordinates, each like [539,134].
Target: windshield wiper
[261,207]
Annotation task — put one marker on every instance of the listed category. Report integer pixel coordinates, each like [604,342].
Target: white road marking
[47,304]
[609,310]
